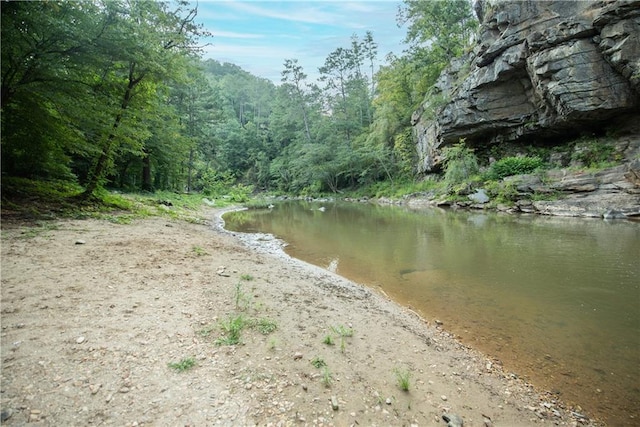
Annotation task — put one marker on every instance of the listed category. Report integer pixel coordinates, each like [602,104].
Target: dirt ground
[94,313]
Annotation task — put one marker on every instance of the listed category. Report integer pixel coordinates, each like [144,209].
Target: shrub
[460,163]
[509,166]
[593,153]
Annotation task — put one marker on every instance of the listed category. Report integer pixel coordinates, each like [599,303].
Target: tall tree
[437,31]
[44,60]
[294,79]
[146,42]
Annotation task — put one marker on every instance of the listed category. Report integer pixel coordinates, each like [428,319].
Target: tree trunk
[189,170]
[147,182]
[100,166]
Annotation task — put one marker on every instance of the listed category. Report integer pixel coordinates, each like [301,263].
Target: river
[555,300]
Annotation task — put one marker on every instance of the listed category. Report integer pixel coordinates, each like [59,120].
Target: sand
[95,312]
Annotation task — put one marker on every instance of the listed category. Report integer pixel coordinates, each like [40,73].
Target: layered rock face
[541,70]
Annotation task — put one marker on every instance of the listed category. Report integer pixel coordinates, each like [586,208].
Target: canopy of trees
[114,93]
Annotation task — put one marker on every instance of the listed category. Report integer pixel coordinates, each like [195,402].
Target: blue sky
[259,35]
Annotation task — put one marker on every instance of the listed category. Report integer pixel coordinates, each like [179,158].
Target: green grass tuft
[403,378]
[318,362]
[183,365]
[232,330]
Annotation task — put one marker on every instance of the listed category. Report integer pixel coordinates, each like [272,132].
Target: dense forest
[115,94]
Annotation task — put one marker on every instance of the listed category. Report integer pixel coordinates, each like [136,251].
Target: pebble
[453,420]
[297,356]
[80,340]
[388,401]
[80,242]
[443,397]
[334,403]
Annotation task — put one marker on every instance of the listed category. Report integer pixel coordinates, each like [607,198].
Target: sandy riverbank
[93,312]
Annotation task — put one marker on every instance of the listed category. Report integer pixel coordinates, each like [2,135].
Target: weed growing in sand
[198,251]
[272,344]
[342,332]
[246,277]
[328,340]
[206,331]
[183,365]
[327,377]
[403,378]
[265,326]
[232,328]
[241,298]
[318,362]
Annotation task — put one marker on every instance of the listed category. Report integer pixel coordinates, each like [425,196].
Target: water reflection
[556,299]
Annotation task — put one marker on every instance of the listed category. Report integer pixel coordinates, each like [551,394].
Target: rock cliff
[541,72]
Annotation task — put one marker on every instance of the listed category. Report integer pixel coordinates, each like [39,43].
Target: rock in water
[614,214]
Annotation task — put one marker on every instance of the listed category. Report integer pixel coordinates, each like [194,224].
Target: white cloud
[234,35]
[304,12]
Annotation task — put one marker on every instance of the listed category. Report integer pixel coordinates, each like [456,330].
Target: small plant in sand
[198,251]
[265,326]
[206,331]
[328,340]
[327,377]
[183,365]
[246,277]
[241,298]
[342,332]
[403,378]
[318,362]
[272,344]
[232,329]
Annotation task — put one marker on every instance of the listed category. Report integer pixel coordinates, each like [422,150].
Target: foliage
[215,184]
[437,32]
[516,165]
[460,163]
[502,191]
[593,152]
[112,94]
[83,84]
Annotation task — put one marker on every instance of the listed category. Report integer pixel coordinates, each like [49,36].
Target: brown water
[556,300]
